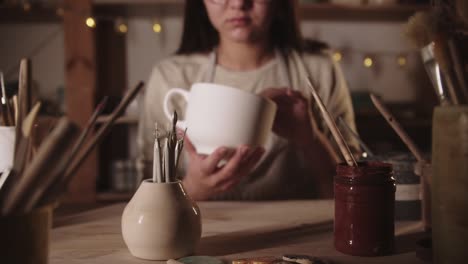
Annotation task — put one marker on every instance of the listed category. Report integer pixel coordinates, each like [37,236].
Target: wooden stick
[51,174]
[57,185]
[344,148]
[105,128]
[23,95]
[28,122]
[49,152]
[397,127]
[15,107]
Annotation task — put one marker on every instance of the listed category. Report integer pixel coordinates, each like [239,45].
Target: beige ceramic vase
[161,222]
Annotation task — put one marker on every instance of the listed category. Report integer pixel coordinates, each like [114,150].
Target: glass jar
[364,209]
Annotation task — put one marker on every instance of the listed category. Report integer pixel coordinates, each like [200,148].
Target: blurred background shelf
[18,14]
[397,12]
[148,8]
[309,11]
[129,120]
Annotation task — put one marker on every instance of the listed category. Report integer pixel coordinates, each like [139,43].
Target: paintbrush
[60,180]
[397,127]
[419,32]
[157,156]
[88,147]
[344,148]
[6,111]
[39,169]
[441,54]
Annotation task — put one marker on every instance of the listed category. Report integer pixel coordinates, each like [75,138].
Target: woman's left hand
[293,118]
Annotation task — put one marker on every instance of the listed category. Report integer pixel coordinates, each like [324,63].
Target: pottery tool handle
[397,127]
[52,173]
[48,154]
[103,130]
[356,136]
[344,148]
[24,94]
[57,185]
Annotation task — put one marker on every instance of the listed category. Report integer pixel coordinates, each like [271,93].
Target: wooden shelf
[308,11]
[121,120]
[16,14]
[336,12]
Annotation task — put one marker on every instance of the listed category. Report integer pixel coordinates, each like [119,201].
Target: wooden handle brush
[34,174]
[103,130]
[344,148]
[397,127]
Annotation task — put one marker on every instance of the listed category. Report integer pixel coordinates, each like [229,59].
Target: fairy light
[402,61]
[337,56]
[368,62]
[157,28]
[121,26]
[90,22]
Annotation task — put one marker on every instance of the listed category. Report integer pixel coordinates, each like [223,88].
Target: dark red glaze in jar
[364,209]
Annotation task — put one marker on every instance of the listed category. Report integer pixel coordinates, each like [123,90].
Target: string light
[90,22]
[402,61]
[368,62]
[157,28]
[337,56]
[121,26]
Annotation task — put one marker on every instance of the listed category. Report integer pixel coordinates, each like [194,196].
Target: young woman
[254,45]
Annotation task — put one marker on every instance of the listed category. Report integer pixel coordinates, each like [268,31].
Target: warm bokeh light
[402,61]
[368,62]
[337,56]
[90,22]
[122,28]
[157,28]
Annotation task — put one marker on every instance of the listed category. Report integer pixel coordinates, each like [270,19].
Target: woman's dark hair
[199,36]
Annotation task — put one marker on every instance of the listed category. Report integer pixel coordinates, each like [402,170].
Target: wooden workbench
[230,230]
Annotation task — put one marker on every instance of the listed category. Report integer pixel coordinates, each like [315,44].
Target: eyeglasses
[224,2]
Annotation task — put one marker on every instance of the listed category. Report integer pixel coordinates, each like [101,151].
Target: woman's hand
[293,118]
[206,178]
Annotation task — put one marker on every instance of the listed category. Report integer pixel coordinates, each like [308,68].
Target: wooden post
[80,90]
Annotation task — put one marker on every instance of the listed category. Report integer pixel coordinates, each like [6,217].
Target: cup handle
[185,94]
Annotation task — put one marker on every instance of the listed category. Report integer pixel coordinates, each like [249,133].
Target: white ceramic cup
[219,115]
[7,147]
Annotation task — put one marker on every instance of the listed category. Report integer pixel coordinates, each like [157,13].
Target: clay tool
[344,148]
[49,151]
[397,127]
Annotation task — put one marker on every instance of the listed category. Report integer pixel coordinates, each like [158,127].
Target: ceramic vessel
[161,222]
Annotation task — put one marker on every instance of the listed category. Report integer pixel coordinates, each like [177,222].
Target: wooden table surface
[230,230]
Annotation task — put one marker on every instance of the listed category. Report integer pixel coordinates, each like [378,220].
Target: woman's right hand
[205,178]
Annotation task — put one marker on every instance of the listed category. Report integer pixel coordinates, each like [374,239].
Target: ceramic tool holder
[161,222]
[450,184]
